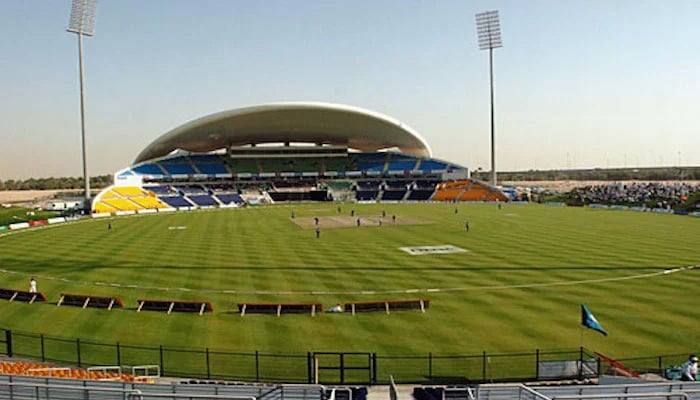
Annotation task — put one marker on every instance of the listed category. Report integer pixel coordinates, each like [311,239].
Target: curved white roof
[298,122]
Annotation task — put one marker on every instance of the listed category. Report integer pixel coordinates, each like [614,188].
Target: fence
[323,367]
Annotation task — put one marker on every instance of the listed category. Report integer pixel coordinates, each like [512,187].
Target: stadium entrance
[344,368]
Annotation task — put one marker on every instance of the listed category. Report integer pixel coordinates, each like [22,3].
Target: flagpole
[580,364]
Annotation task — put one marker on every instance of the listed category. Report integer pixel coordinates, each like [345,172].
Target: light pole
[82,22]
[488,29]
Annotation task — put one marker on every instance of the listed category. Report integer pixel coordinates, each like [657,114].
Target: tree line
[597,174]
[96,182]
[609,174]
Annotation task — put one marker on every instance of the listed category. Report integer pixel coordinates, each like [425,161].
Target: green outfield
[517,287]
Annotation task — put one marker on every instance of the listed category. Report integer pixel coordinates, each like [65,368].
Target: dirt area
[341,221]
[30,196]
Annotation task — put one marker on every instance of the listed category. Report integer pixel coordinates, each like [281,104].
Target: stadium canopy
[291,122]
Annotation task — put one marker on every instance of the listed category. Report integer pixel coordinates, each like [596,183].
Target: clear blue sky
[578,83]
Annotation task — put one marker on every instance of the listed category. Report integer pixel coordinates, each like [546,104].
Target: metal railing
[508,391]
[655,395]
[255,366]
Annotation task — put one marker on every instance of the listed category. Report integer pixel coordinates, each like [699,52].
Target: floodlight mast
[82,22]
[488,28]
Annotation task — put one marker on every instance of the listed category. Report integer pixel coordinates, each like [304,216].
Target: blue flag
[589,321]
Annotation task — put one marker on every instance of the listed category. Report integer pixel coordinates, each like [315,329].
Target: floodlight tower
[82,22]
[488,28]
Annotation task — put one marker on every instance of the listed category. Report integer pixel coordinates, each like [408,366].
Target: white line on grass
[374,292]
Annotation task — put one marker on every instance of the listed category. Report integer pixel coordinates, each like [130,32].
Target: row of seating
[127,198]
[198,195]
[15,387]
[466,190]
[35,369]
[214,164]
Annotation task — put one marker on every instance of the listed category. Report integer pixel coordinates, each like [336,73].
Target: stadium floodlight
[82,22]
[488,29]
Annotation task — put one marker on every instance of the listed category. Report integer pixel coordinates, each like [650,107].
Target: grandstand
[127,198]
[288,152]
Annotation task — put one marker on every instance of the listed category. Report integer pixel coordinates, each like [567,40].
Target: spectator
[689,369]
[336,308]
[660,194]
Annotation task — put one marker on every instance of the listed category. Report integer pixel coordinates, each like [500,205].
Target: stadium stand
[636,389]
[102,208]
[269,158]
[393,195]
[276,165]
[175,306]
[431,165]
[84,301]
[447,194]
[279,308]
[149,203]
[419,194]
[366,195]
[387,306]
[401,166]
[178,166]
[205,158]
[243,165]
[129,191]
[339,185]
[368,185]
[17,387]
[212,168]
[176,201]
[203,200]
[347,393]
[443,393]
[159,189]
[20,295]
[127,198]
[285,179]
[477,194]
[230,198]
[372,162]
[190,189]
[208,164]
[467,190]
[398,184]
[122,204]
[27,371]
[149,169]
[341,164]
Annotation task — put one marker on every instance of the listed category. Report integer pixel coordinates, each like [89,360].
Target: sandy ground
[30,196]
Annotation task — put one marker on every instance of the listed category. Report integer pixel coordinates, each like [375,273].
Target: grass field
[517,288]
[14,214]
